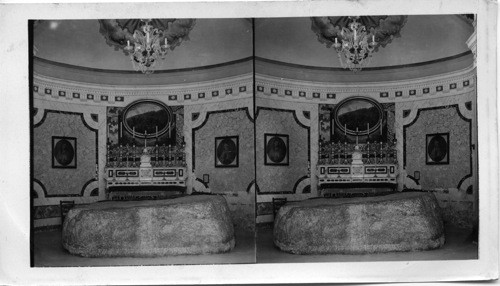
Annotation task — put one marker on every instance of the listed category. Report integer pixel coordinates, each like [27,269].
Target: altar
[155,172]
[344,166]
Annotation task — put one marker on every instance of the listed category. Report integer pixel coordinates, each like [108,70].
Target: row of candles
[339,153]
[156,134]
[129,47]
[337,41]
[367,128]
[164,155]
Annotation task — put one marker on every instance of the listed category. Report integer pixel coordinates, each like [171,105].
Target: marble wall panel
[64,182]
[232,182]
[439,120]
[281,179]
[455,185]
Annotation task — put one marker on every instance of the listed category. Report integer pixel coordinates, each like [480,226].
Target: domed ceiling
[80,43]
[215,41]
[422,38]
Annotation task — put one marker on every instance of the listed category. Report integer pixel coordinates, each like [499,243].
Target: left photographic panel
[146,106]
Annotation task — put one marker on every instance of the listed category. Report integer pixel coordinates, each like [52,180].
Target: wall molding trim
[389,91]
[301,184]
[121,95]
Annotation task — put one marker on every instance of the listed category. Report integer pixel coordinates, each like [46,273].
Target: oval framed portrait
[63,152]
[276,149]
[226,152]
[437,149]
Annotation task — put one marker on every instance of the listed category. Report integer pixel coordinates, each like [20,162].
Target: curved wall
[66,99]
[288,101]
[439,97]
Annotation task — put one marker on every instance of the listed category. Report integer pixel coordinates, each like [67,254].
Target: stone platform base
[187,225]
[397,222]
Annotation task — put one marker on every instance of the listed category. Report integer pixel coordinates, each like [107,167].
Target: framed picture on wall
[276,149]
[226,152]
[63,152]
[437,149]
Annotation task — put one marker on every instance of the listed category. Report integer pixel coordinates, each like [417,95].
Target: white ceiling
[78,42]
[215,41]
[423,38]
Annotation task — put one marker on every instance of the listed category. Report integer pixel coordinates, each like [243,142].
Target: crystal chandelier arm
[354,38]
[145,41]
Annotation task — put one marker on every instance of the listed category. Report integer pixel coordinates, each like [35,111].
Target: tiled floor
[48,252]
[458,246]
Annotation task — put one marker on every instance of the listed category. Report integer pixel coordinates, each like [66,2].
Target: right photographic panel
[366,138]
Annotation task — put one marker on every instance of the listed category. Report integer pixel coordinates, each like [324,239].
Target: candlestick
[345,152]
[126,155]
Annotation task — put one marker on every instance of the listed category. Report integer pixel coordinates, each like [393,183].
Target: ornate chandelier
[146,49]
[356,46]
[356,38]
[145,41]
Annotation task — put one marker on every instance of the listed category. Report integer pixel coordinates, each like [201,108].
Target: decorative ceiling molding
[99,77]
[469,18]
[472,44]
[385,28]
[307,91]
[192,93]
[394,73]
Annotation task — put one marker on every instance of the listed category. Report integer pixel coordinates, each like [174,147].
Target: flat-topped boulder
[396,222]
[188,225]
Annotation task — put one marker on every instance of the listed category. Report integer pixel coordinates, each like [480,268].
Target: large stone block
[187,225]
[396,222]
